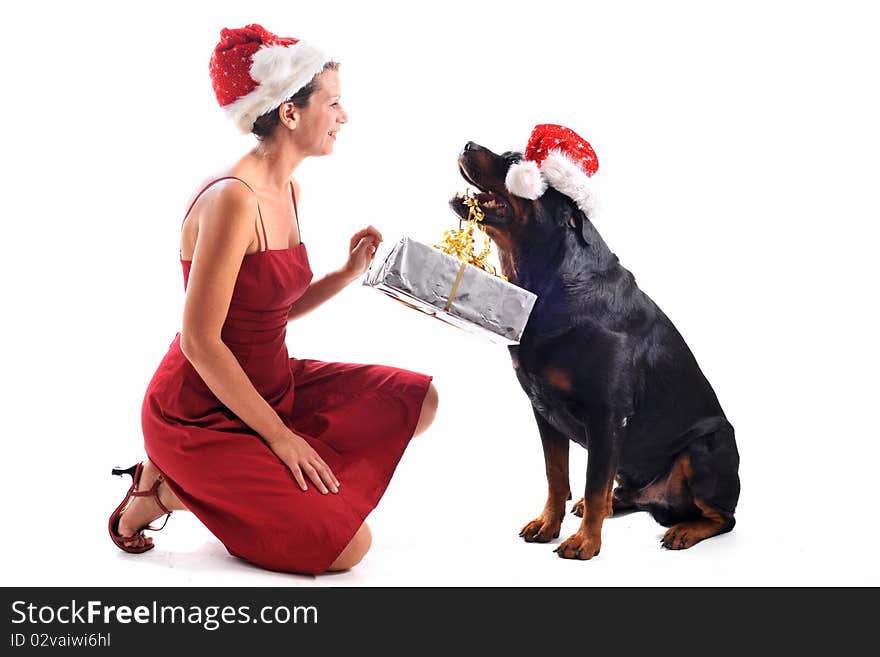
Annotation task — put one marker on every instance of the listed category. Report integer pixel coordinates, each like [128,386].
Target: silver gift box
[423,278]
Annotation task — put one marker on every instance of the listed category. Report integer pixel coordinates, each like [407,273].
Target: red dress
[359,418]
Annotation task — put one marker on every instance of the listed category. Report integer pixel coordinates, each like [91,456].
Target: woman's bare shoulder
[226,193]
[224,210]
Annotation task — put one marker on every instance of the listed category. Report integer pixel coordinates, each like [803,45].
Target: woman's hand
[361,251]
[301,458]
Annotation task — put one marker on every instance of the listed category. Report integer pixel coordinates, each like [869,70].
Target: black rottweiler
[603,366]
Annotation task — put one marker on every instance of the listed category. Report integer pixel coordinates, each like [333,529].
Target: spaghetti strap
[295,211]
[202,191]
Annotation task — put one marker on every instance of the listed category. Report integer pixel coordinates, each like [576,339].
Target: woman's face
[321,120]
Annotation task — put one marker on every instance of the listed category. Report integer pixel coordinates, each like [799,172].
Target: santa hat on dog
[558,157]
[254,71]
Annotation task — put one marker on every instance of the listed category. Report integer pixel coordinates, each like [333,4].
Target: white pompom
[524,179]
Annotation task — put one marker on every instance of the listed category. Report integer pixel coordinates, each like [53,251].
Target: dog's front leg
[546,526]
[602,443]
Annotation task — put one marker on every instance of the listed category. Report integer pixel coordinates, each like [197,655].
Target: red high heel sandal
[135,471]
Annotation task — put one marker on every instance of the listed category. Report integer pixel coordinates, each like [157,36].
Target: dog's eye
[572,222]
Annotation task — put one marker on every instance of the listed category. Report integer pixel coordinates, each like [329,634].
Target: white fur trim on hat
[564,175]
[524,179]
[280,71]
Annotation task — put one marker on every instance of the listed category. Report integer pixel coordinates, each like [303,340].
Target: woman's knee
[355,550]
[429,410]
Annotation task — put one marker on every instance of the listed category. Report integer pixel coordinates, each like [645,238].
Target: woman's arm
[225,229]
[320,291]
[225,232]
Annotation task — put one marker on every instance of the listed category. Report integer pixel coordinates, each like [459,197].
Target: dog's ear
[579,222]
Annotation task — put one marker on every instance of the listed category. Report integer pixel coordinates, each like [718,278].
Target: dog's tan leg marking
[546,526]
[579,506]
[677,482]
[687,534]
[586,542]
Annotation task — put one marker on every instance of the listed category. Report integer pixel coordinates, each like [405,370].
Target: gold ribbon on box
[460,244]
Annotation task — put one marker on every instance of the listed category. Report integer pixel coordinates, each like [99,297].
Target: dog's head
[547,229]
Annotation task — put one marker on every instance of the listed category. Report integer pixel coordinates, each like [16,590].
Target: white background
[738,161]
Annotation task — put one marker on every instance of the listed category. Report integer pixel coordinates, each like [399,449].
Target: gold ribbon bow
[460,244]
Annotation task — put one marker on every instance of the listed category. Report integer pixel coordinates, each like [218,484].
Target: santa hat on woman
[254,71]
[558,157]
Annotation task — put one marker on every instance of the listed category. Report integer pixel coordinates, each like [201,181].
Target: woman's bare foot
[142,511]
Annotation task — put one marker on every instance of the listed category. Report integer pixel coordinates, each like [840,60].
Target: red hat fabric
[556,156]
[548,137]
[253,71]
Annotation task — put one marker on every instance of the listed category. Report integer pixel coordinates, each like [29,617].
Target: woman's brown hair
[265,125]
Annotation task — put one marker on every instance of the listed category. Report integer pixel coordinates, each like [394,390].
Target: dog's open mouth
[495,210]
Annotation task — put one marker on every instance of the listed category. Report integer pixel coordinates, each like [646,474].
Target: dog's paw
[541,530]
[578,546]
[680,537]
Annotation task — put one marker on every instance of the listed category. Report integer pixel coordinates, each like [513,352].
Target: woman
[281,458]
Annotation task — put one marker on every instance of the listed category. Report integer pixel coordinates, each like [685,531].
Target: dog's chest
[552,402]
